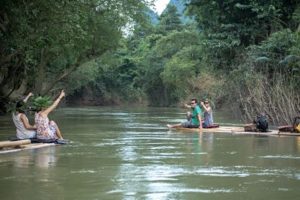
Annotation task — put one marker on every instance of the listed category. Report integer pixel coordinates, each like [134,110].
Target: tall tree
[45,41]
[170,19]
[230,26]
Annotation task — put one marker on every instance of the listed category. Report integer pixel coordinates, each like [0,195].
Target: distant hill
[180,5]
[153,16]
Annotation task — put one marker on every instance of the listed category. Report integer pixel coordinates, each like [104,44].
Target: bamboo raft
[20,145]
[236,130]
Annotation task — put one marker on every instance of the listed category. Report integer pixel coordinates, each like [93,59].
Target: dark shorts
[204,125]
[188,124]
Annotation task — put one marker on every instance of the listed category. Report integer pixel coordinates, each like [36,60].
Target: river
[128,153]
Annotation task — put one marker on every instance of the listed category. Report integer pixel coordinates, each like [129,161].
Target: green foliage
[181,68]
[41,102]
[52,39]
[173,42]
[85,74]
[164,60]
[81,46]
[10,107]
[170,19]
[230,26]
[276,54]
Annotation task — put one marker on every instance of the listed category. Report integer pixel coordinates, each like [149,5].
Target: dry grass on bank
[281,102]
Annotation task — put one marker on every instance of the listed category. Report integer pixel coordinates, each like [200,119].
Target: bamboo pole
[4,144]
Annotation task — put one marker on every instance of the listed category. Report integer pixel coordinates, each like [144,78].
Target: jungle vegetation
[240,54]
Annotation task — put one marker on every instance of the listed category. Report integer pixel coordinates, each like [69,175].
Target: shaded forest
[240,54]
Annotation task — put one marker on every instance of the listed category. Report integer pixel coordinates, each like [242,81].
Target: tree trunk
[81,60]
[8,58]
[4,21]
[61,77]
[14,77]
[20,91]
[39,81]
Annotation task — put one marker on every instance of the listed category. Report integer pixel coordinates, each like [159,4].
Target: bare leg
[188,117]
[174,125]
[57,131]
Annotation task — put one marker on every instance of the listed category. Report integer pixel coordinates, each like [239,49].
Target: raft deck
[237,130]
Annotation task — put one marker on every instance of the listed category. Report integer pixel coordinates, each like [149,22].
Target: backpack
[262,123]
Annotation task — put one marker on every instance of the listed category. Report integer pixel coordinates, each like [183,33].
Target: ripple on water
[83,171]
[238,171]
[283,189]
[109,144]
[231,153]
[280,157]
[297,176]
[77,153]
[162,187]
[9,177]
[158,190]
[158,172]
[115,191]
[163,148]
[141,125]
[221,172]
[158,157]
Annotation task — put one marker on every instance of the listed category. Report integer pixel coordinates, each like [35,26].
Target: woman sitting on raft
[208,117]
[47,129]
[24,129]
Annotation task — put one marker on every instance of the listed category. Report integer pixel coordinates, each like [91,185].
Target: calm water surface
[122,153]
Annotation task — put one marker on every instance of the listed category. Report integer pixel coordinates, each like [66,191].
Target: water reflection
[156,165]
[46,157]
[298,144]
[23,161]
[42,158]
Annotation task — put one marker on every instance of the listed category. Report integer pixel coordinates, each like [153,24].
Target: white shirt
[22,132]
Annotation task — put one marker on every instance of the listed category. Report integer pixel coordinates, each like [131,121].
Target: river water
[128,153]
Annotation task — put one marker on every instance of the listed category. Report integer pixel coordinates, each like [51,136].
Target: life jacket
[262,123]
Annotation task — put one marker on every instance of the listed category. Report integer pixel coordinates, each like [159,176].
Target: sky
[160,5]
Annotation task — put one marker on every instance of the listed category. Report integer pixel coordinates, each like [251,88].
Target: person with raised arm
[195,121]
[47,130]
[208,116]
[24,130]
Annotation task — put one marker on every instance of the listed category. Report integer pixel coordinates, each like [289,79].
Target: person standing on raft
[195,121]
